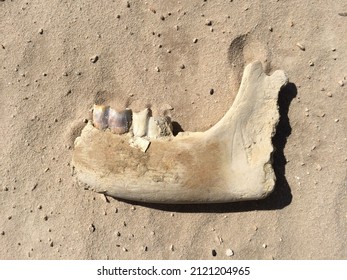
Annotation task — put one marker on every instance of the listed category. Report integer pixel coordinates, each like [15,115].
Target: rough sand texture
[170,53]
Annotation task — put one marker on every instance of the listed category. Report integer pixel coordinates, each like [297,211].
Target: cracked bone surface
[229,162]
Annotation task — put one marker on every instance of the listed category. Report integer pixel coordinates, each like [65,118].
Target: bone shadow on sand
[278,199]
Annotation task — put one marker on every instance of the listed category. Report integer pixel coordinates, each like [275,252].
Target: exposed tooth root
[140,122]
[159,127]
[119,122]
[100,116]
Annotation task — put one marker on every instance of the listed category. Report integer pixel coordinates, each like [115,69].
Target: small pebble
[94,59]
[214,253]
[318,167]
[229,252]
[264,246]
[195,40]
[40,31]
[270,29]
[182,66]
[91,228]
[45,218]
[211,91]
[336,120]
[341,83]
[311,63]
[157,69]
[172,248]
[300,46]
[145,248]
[51,244]
[329,94]
[125,249]
[162,17]
[2,233]
[5,189]
[208,22]
[39,207]
[128,4]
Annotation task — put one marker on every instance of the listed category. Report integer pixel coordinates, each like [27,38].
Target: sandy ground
[49,82]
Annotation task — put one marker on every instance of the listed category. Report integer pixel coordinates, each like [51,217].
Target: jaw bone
[229,162]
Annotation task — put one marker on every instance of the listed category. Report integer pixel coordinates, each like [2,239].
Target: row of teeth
[140,124]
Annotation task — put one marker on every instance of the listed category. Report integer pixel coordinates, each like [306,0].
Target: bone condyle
[139,159]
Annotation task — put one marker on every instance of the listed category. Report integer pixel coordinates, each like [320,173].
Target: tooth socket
[159,127]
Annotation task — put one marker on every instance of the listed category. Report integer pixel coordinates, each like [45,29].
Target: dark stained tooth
[100,116]
[119,122]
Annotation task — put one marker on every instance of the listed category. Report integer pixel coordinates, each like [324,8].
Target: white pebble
[229,252]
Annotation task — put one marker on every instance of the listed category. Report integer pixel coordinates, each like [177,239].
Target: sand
[57,58]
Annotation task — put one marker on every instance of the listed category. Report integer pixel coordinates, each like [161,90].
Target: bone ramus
[229,162]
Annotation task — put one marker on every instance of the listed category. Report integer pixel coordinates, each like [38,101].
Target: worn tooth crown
[140,122]
[119,122]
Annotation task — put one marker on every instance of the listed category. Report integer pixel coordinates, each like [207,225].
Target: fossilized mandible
[231,161]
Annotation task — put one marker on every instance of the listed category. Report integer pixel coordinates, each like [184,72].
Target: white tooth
[140,122]
[159,127]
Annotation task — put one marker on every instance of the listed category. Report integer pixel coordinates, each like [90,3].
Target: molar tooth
[140,122]
[119,122]
[100,116]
